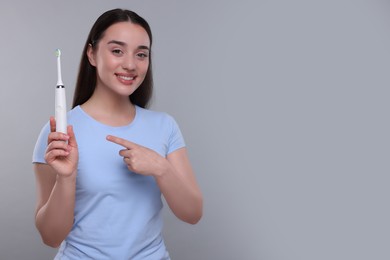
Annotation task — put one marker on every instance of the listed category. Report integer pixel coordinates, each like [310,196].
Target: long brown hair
[86,79]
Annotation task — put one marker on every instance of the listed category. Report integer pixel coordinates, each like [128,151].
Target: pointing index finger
[123,142]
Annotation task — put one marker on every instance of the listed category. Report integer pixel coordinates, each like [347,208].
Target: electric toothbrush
[60,99]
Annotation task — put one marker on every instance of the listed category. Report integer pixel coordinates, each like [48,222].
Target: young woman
[99,186]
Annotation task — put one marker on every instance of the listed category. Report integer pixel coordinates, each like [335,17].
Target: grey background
[283,104]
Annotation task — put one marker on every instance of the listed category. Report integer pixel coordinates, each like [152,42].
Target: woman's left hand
[173,175]
[140,159]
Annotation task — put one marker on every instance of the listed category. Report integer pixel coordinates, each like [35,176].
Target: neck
[109,108]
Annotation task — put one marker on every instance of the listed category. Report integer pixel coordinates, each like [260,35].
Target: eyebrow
[142,47]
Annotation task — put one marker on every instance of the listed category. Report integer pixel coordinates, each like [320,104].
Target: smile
[125,77]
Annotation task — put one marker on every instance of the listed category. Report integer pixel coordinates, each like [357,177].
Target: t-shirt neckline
[90,118]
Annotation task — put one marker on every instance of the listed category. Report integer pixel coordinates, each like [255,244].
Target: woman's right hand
[62,152]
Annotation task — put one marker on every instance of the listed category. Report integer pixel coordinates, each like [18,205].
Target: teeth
[126,78]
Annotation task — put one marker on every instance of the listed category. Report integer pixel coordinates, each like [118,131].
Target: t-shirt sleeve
[40,145]
[176,140]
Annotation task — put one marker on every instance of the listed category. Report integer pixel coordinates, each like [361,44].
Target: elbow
[194,216]
[51,243]
[48,239]
[198,212]
[194,219]
[190,218]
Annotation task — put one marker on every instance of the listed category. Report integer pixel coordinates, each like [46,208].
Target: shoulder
[75,113]
[154,116]
[156,120]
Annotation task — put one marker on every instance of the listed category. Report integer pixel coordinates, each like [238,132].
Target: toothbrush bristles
[58,52]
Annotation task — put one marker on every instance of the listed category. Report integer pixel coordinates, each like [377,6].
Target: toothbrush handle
[60,109]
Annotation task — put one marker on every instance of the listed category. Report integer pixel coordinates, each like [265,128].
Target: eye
[142,55]
[117,52]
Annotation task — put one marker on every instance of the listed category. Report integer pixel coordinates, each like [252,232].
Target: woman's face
[121,58]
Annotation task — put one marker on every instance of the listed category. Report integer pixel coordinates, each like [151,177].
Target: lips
[125,78]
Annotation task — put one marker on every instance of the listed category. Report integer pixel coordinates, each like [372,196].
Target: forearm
[54,219]
[182,194]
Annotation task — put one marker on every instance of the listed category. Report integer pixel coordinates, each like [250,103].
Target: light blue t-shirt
[117,212]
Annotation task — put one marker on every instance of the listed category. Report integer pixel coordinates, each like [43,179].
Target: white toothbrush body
[60,100]
[60,113]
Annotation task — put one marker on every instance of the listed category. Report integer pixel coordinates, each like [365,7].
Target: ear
[91,56]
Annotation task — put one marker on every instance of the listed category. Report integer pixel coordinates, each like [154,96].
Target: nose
[128,62]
